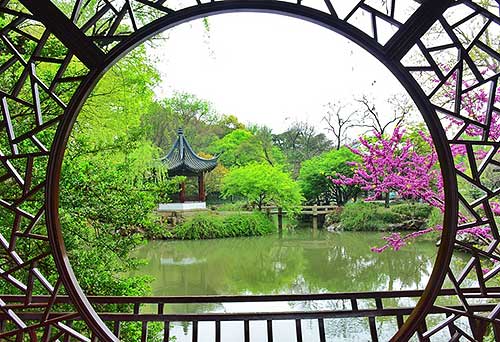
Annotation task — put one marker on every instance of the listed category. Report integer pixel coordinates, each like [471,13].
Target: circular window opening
[176,138]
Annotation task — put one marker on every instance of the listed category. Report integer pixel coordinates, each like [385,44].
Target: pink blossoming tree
[393,164]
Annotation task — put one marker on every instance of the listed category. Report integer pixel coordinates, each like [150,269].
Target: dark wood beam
[415,27]
[201,187]
[66,31]
[182,193]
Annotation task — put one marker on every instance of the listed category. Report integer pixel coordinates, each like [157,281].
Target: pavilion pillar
[201,187]
[182,193]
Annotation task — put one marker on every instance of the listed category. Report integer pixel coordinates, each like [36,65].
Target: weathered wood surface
[313,210]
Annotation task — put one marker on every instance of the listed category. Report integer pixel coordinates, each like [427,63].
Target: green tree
[109,185]
[414,134]
[196,116]
[314,175]
[235,148]
[228,123]
[241,147]
[262,184]
[214,178]
[301,142]
[271,153]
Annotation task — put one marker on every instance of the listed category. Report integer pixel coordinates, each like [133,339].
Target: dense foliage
[241,147]
[195,116]
[301,142]
[263,184]
[108,188]
[370,216]
[315,172]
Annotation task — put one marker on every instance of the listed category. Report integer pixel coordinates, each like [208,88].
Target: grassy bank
[370,216]
[211,225]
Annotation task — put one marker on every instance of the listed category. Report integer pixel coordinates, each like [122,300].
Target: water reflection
[298,262]
[301,261]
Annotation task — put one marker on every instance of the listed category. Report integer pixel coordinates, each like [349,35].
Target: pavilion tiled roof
[181,160]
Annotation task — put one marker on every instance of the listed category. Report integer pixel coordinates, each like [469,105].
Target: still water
[298,262]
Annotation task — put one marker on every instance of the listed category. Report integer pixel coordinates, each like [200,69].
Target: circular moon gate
[93,35]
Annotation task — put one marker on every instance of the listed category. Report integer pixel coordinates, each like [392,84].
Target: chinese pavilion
[181,160]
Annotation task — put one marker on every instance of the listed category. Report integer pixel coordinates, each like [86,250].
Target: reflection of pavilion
[182,262]
[181,160]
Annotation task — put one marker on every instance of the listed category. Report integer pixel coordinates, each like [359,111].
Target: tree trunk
[386,202]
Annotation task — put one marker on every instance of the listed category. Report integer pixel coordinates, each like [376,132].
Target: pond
[299,261]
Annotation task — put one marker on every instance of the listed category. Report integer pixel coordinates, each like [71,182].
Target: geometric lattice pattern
[444,52]
[457,64]
[107,23]
[32,104]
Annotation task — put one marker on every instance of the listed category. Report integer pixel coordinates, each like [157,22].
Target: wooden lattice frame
[38,112]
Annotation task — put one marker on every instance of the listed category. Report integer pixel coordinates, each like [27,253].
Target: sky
[269,69]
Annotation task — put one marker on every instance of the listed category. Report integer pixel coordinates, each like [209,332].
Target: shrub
[233,206]
[254,224]
[201,226]
[333,217]
[156,231]
[435,218]
[369,216]
[213,226]
[388,215]
[361,216]
[412,210]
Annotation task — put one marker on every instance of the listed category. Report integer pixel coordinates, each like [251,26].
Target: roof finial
[180,131]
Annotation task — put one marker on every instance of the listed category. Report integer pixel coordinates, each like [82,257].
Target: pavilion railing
[370,306]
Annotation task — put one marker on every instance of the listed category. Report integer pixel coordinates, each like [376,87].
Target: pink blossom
[395,241]
[483,232]
[393,164]
[379,249]
[495,207]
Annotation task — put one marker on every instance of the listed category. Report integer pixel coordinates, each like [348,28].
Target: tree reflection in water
[300,261]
